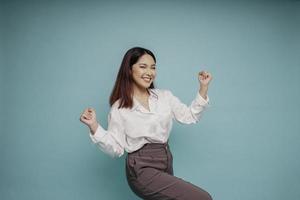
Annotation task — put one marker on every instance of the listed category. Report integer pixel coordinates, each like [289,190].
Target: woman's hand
[88,117]
[204,79]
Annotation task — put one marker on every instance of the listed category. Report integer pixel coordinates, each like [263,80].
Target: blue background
[59,57]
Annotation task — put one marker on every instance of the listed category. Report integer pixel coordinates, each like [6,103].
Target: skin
[144,67]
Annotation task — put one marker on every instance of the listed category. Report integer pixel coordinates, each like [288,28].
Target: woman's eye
[142,66]
[153,67]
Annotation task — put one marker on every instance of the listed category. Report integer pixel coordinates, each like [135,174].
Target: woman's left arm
[204,80]
[192,113]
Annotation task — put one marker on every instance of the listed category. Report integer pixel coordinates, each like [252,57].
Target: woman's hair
[123,89]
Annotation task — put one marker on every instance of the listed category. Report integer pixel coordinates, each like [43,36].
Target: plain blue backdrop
[59,57]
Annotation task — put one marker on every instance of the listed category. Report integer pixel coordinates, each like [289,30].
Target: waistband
[155,145]
[149,148]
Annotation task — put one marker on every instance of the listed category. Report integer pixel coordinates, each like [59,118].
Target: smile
[147,79]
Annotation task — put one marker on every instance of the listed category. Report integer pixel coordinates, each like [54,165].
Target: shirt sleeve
[187,114]
[111,141]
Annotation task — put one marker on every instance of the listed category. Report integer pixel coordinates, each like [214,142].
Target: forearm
[203,91]
[93,128]
[106,141]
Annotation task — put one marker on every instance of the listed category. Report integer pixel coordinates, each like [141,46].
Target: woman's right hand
[88,117]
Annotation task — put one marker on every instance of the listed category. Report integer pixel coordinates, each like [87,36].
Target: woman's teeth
[147,79]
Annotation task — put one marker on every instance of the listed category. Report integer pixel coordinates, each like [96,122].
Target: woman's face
[143,71]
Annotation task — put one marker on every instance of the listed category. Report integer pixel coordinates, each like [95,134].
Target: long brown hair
[123,86]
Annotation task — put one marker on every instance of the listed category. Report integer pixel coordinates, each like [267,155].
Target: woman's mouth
[147,79]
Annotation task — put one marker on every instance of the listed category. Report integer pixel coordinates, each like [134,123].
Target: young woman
[140,121]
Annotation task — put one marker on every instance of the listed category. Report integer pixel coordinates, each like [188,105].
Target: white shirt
[129,129]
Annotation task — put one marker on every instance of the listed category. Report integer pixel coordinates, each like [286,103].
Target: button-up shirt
[130,128]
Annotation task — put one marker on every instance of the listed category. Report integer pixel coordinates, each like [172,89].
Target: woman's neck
[140,92]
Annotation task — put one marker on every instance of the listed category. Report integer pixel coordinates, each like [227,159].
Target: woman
[140,121]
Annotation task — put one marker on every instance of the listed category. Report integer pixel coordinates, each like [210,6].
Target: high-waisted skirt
[149,173]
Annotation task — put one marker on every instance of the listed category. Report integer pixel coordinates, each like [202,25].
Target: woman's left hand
[204,78]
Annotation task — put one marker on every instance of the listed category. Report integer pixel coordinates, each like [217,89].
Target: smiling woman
[140,121]
[137,72]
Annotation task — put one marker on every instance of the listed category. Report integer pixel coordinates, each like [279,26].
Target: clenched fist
[88,117]
[204,78]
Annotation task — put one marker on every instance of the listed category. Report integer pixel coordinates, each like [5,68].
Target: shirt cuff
[202,101]
[98,135]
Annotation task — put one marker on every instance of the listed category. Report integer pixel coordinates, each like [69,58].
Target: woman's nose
[149,72]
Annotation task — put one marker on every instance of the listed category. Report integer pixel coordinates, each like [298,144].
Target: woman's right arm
[110,141]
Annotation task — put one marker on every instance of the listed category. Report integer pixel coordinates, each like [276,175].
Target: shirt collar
[153,96]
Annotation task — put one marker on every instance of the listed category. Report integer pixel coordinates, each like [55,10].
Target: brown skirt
[149,172]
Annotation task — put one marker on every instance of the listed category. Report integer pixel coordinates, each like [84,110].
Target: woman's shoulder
[115,105]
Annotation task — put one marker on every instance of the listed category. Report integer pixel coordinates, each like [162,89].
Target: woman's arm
[204,79]
[110,141]
[191,114]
